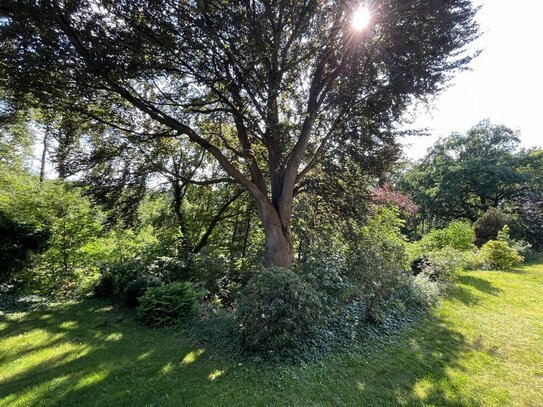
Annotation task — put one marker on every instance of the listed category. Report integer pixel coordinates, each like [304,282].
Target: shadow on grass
[93,353]
[516,270]
[479,284]
[471,290]
[416,370]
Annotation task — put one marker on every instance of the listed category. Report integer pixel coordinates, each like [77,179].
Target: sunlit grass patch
[192,356]
[480,347]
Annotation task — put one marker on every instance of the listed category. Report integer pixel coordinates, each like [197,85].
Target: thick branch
[218,217]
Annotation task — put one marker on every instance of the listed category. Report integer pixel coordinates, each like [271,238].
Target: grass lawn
[482,347]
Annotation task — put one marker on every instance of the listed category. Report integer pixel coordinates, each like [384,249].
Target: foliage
[498,254]
[106,286]
[464,175]
[123,255]
[489,225]
[420,291]
[76,224]
[256,92]
[523,248]
[458,235]
[327,274]
[223,276]
[386,195]
[442,252]
[137,288]
[278,311]
[530,213]
[167,304]
[71,221]
[441,265]
[16,139]
[470,260]
[18,241]
[376,265]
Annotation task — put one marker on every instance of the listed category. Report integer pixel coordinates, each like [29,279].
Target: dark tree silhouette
[293,81]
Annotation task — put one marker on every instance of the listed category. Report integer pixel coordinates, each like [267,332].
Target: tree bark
[44,154]
[278,247]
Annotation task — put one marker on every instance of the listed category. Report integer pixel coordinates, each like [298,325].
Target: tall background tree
[466,175]
[297,84]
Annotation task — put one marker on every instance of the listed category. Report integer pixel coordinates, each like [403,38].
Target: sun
[361,18]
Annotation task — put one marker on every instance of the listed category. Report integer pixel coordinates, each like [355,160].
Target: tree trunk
[278,247]
[44,154]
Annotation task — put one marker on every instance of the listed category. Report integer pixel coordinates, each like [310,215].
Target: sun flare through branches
[361,18]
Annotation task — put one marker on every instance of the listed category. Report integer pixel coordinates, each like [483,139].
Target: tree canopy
[464,175]
[270,89]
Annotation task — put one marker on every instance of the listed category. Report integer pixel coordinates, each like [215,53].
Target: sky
[505,83]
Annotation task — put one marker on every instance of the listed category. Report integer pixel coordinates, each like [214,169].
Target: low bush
[498,255]
[458,235]
[123,272]
[105,287]
[18,241]
[419,264]
[167,268]
[167,304]
[278,311]
[135,289]
[375,272]
[470,260]
[222,278]
[489,225]
[522,247]
[377,264]
[441,265]
[326,273]
[419,291]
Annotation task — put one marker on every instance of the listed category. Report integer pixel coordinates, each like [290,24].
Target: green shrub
[458,235]
[135,289]
[122,273]
[278,311]
[221,277]
[326,273]
[471,260]
[167,268]
[498,255]
[375,272]
[18,241]
[376,265]
[419,291]
[442,264]
[167,304]
[489,225]
[105,287]
[523,248]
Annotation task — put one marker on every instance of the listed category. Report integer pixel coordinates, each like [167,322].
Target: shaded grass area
[482,346]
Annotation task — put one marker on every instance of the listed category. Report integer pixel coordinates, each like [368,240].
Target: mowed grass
[483,346]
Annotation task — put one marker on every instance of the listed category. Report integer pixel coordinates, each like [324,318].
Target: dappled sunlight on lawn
[86,353]
[191,357]
[215,374]
[479,347]
[69,325]
[416,368]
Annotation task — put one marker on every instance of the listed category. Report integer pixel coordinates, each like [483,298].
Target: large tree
[292,81]
[463,175]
